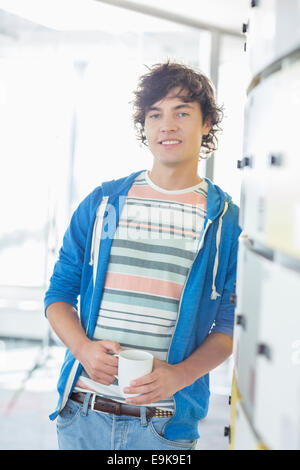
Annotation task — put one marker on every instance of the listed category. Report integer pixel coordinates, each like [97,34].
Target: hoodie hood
[216,198]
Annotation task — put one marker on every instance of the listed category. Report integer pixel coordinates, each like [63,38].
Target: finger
[144,380]
[103,378]
[143,399]
[105,356]
[96,370]
[108,369]
[110,360]
[111,345]
[139,390]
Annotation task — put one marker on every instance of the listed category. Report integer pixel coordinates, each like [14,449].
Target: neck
[174,178]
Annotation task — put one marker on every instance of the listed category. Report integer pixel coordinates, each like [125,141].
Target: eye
[183,114]
[154,116]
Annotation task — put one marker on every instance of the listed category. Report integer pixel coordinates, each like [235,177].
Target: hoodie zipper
[200,245]
[97,227]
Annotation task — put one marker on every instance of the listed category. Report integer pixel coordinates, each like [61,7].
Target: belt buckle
[115,408]
[93,402]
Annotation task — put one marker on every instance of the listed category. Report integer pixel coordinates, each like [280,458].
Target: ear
[206,127]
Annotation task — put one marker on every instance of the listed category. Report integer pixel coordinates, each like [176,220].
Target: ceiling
[228,14]
[96,15]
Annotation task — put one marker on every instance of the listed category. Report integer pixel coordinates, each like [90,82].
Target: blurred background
[68,69]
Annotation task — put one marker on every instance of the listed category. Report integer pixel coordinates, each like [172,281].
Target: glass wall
[232,85]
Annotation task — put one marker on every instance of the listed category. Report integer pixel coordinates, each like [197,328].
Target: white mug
[133,363]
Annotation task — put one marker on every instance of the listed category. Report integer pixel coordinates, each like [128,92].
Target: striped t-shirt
[152,251]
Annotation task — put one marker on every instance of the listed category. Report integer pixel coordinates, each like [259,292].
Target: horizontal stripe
[115,316]
[149,328]
[137,309]
[104,312]
[142,300]
[146,192]
[142,284]
[153,248]
[171,232]
[168,217]
[154,207]
[136,232]
[160,343]
[144,255]
[143,334]
[148,264]
[137,331]
[145,272]
[160,354]
[176,243]
[140,296]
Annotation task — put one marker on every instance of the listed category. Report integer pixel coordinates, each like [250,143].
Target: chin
[169,161]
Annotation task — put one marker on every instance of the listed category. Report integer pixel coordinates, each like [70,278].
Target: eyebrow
[179,106]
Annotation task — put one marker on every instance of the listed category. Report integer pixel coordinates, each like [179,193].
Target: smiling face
[174,128]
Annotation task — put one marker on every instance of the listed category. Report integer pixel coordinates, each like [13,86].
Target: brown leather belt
[110,406]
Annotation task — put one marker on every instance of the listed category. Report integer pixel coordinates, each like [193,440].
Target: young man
[153,258]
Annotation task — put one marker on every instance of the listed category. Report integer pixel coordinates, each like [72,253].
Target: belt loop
[143,416]
[85,404]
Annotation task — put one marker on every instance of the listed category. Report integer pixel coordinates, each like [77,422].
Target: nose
[168,124]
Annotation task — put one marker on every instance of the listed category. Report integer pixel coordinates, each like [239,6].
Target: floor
[28,375]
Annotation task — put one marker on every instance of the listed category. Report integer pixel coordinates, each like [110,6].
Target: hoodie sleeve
[224,321]
[65,281]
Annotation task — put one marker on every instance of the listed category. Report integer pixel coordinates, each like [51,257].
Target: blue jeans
[81,428]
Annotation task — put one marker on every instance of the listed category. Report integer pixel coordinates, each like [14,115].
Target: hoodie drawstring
[214,293]
[97,228]
[93,241]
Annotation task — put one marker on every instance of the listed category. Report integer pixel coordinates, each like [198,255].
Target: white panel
[259,131]
[249,309]
[273,31]
[270,190]
[282,184]
[277,392]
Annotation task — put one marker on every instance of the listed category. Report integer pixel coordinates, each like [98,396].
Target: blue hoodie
[205,301]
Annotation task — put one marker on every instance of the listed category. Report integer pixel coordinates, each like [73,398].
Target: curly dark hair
[160,80]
